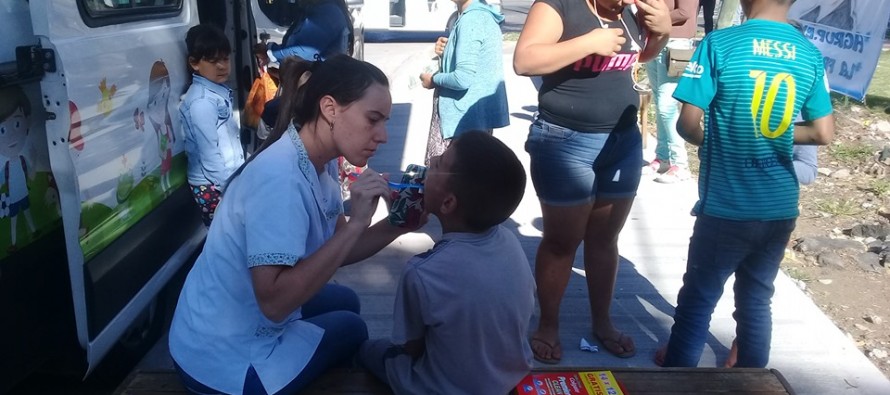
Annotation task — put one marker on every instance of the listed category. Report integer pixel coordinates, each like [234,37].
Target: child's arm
[689,125]
[204,116]
[816,132]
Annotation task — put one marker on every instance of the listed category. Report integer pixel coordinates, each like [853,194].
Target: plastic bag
[430,66]
[263,90]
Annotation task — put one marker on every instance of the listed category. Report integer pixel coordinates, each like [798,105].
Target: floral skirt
[207,197]
[435,144]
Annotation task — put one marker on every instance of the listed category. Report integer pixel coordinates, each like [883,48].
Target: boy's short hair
[487,179]
[206,41]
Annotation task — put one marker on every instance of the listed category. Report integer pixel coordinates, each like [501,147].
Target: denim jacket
[212,135]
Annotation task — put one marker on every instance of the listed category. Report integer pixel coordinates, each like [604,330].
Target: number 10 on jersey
[763,104]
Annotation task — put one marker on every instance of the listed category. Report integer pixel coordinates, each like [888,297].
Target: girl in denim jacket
[212,137]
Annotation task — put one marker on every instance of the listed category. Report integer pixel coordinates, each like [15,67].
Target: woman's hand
[426,80]
[365,193]
[656,16]
[605,42]
[440,45]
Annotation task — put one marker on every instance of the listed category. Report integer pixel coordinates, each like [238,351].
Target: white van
[393,16]
[95,213]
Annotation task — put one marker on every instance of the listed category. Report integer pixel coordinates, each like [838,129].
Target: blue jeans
[670,147]
[570,167]
[335,309]
[752,250]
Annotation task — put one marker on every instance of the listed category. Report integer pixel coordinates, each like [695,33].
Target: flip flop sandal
[615,347]
[552,347]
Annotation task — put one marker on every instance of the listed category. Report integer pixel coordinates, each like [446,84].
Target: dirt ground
[851,190]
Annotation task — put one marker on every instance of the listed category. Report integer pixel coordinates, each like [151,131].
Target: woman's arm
[539,51]
[468,41]
[281,289]
[654,45]
[657,19]
[683,11]
[374,239]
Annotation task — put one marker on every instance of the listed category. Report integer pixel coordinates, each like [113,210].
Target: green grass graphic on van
[43,198]
[100,225]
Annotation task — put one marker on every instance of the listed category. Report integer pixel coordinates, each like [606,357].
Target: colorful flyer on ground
[569,383]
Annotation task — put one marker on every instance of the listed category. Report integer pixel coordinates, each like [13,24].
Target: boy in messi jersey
[748,82]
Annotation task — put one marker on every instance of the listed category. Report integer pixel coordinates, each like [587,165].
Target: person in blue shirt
[257,314]
[212,134]
[749,82]
[470,85]
[444,341]
[321,28]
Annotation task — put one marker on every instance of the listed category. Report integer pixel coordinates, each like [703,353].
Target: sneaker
[655,167]
[674,174]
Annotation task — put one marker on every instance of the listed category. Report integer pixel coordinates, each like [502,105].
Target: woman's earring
[332,126]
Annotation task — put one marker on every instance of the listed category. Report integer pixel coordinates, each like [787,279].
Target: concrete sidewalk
[812,353]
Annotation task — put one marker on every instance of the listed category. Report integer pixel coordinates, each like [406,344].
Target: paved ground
[808,349]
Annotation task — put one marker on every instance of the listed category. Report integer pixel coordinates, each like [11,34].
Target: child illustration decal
[159,116]
[14,111]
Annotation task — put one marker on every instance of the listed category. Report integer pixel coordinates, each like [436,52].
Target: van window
[97,13]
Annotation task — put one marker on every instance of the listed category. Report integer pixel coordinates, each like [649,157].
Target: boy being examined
[462,309]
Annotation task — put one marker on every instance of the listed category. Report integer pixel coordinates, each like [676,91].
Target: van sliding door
[117,152]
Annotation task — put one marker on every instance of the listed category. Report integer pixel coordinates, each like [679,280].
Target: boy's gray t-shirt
[470,298]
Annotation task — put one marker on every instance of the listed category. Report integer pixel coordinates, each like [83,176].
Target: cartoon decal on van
[123,172]
[75,138]
[159,115]
[105,103]
[25,191]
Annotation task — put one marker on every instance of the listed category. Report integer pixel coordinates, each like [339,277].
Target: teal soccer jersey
[752,81]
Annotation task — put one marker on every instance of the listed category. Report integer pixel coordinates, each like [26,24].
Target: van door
[95,212]
[32,248]
[116,150]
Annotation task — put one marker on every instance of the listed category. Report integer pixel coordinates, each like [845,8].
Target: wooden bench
[636,381]
[336,381]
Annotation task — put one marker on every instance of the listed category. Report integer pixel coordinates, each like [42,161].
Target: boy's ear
[193,63]
[449,204]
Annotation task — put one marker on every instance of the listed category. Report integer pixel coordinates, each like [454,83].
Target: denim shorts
[569,167]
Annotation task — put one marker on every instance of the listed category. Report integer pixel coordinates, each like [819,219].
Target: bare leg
[563,231]
[601,264]
[733,355]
